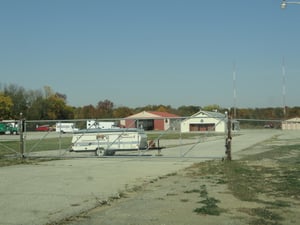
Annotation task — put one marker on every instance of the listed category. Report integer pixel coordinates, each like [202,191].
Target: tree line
[46,104]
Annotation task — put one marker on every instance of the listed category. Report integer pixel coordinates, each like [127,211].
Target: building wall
[130,123]
[167,124]
[159,124]
[290,126]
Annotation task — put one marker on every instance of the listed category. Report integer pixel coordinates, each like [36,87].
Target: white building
[92,124]
[205,121]
[291,124]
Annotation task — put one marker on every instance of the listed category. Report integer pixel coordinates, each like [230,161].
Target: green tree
[37,110]
[212,107]
[18,96]
[187,110]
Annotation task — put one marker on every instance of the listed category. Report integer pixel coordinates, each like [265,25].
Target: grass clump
[209,208]
[264,217]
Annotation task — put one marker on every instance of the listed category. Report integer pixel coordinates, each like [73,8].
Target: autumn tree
[57,109]
[85,112]
[5,106]
[48,105]
[105,109]
[122,112]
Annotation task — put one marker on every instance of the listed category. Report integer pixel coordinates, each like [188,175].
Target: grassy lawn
[10,150]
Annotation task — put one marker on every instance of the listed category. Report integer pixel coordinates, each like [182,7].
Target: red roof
[163,114]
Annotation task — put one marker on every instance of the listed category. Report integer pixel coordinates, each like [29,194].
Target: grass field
[10,150]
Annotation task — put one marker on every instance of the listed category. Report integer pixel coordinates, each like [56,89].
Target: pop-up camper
[108,141]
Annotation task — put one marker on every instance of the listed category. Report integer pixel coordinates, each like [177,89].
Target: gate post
[228,138]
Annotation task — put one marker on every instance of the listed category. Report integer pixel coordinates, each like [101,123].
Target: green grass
[246,181]
[176,135]
[243,181]
[10,150]
[276,152]
[7,147]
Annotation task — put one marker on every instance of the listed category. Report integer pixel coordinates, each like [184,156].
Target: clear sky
[140,52]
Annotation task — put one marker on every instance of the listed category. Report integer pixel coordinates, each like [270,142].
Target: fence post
[21,127]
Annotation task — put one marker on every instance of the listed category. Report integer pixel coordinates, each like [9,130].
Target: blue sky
[140,52]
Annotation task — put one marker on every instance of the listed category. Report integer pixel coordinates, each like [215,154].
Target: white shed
[205,121]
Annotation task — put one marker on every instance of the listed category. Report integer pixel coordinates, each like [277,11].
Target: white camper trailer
[108,141]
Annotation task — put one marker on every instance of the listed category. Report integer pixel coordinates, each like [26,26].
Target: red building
[151,120]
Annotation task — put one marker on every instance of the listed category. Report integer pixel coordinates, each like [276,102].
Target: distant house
[151,120]
[207,121]
[291,124]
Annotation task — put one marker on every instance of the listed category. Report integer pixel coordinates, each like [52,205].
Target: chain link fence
[56,138]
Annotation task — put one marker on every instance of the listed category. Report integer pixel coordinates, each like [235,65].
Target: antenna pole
[283,88]
[234,90]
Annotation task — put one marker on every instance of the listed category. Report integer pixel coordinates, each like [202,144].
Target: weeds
[209,204]
[193,191]
[209,207]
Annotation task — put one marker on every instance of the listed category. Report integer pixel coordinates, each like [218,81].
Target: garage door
[202,127]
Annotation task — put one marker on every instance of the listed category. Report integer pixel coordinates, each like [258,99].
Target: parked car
[43,128]
[268,125]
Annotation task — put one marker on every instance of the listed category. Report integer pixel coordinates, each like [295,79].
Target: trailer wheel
[100,152]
